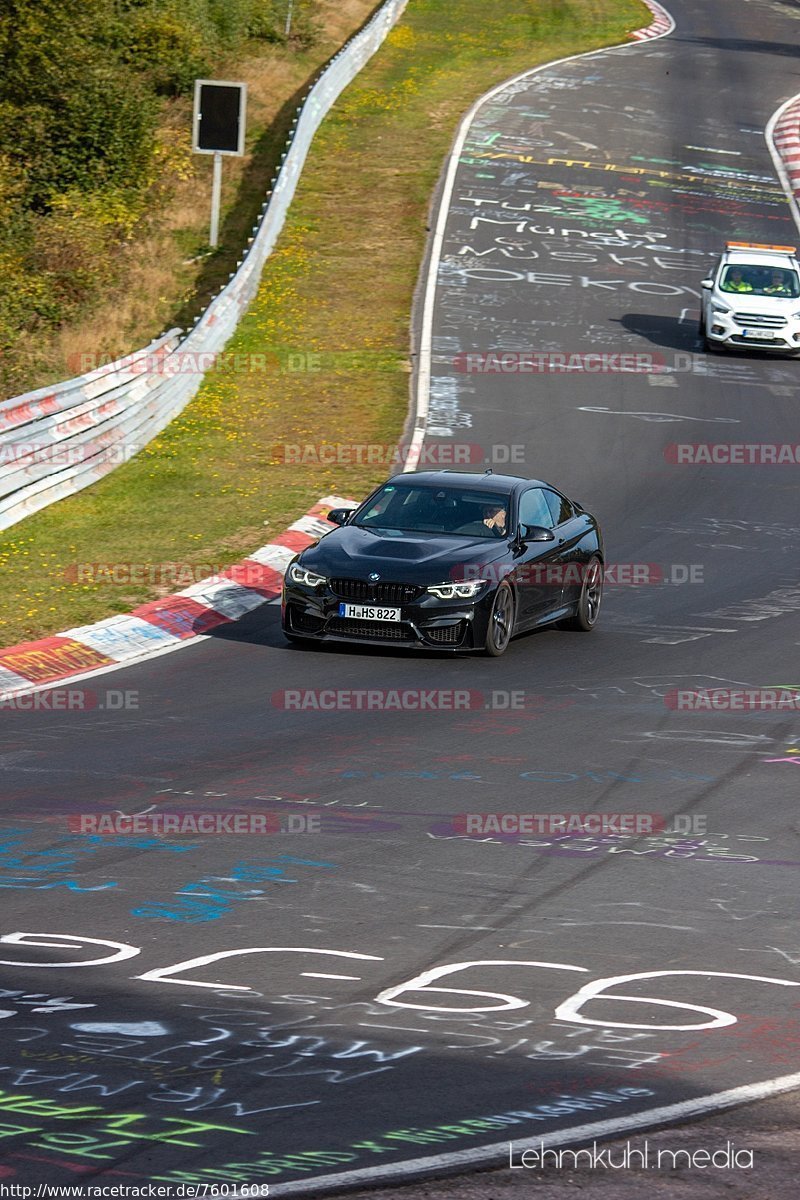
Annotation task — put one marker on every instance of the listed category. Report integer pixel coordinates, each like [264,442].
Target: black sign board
[219,117]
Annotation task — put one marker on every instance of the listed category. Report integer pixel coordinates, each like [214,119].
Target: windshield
[761,281]
[426,509]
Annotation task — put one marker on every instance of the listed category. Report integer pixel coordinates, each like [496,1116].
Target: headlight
[721,312]
[299,574]
[796,316]
[457,591]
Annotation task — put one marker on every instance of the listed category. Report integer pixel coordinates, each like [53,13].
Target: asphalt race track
[382,988]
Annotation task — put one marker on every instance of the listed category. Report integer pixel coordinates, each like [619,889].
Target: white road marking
[322,975]
[713,150]
[656,416]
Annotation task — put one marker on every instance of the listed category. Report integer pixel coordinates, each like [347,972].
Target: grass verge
[322,354]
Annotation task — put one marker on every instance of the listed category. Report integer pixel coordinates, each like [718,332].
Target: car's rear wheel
[501,621]
[587,611]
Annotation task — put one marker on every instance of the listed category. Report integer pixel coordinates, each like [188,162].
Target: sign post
[218,128]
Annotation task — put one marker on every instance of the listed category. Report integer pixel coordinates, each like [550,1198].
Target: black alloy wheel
[501,621]
[588,608]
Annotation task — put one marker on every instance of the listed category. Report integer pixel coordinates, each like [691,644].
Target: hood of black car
[354,553]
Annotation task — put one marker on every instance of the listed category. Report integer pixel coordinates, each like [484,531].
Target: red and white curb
[783,139]
[167,624]
[661,24]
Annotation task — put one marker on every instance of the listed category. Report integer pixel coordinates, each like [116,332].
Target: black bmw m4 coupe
[451,561]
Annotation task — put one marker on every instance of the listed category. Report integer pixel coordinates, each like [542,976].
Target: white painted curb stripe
[121,637]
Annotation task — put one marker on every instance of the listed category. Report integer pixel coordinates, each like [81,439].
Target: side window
[534,509]
[559,506]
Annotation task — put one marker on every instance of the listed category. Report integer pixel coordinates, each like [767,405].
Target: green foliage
[82,87]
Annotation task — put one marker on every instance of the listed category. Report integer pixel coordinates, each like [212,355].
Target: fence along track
[58,440]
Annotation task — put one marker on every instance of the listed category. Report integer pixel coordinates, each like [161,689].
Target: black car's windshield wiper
[395,528]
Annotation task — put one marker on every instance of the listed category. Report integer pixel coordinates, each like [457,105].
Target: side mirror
[340,516]
[536,533]
[707,284]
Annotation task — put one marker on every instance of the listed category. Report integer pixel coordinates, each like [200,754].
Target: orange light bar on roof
[759,246]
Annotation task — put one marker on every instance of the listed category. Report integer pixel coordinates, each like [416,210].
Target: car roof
[760,258]
[473,479]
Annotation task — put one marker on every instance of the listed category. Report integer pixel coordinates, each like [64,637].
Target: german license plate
[766,334]
[369,612]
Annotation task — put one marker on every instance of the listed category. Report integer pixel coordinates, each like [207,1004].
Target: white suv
[753,299]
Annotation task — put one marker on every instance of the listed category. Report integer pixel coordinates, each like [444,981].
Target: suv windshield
[760,281]
[427,509]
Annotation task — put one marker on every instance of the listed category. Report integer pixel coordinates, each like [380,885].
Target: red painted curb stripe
[180,615]
[254,575]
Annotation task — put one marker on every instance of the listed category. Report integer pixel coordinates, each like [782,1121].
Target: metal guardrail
[56,441]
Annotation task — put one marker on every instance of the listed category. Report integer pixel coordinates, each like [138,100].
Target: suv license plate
[766,334]
[369,612]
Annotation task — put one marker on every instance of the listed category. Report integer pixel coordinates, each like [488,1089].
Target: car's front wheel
[588,608]
[300,643]
[501,621]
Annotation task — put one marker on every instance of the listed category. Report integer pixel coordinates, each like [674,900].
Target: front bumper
[427,623]
[779,335]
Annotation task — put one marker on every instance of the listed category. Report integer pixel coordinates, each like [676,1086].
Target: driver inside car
[494,515]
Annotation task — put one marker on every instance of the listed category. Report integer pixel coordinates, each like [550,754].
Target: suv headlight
[457,591]
[721,312]
[300,574]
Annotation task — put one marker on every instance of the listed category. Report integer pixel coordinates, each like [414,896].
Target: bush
[82,88]
[165,48]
